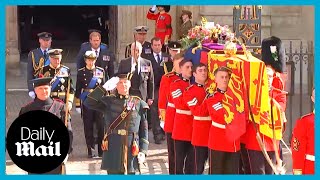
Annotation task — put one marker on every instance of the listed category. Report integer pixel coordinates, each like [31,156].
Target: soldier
[163,22]
[105,58]
[88,78]
[42,101]
[223,154]
[302,144]
[125,143]
[167,110]
[38,58]
[174,48]
[257,160]
[62,87]
[157,59]
[194,97]
[182,127]
[186,24]
[142,73]
[140,35]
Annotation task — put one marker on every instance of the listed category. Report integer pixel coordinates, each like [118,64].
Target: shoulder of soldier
[189,87]
[307,116]
[136,97]
[99,68]
[177,80]
[169,74]
[28,104]
[82,69]
[66,67]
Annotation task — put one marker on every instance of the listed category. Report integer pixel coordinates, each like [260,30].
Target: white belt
[221,126]
[208,118]
[310,157]
[171,105]
[183,112]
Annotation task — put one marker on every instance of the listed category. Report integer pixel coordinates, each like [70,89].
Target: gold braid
[35,67]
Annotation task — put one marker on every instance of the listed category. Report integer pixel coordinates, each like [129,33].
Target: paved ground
[16,96]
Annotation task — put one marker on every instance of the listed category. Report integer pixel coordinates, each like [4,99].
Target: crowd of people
[153,89]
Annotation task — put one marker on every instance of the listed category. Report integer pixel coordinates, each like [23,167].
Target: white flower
[273,49]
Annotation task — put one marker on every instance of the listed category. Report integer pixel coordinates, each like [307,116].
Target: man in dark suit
[158,59]
[142,80]
[38,58]
[105,56]
[140,35]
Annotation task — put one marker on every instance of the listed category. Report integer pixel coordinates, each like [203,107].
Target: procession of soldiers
[157,88]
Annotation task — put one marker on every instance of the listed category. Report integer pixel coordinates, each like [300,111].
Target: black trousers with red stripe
[184,157]
[171,159]
[221,162]
[200,157]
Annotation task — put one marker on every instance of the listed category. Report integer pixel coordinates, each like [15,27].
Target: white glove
[153,8]
[141,157]
[111,84]
[66,159]
[78,110]
[32,94]
[162,124]
[69,106]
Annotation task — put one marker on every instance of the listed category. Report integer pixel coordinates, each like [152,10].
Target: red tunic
[194,97]
[251,141]
[165,100]
[218,139]
[182,127]
[302,145]
[163,24]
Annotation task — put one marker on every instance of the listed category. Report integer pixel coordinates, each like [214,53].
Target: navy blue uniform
[105,59]
[36,60]
[87,81]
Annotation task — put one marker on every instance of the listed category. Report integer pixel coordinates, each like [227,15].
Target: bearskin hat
[275,59]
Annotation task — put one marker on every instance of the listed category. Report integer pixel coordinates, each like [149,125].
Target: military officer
[302,144]
[174,48]
[194,97]
[163,22]
[62,86]
[88,78]
[182,125]
[38,58]
[125,143]
[105,58]
[186,24]
[223,154]
[166,108]
[43,101]
[140,35]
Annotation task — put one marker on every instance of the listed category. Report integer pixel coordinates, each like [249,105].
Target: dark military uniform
[118,159]
[57,108]
[87,81]
[37,58]
[146,50]
[184,28]
[105,59]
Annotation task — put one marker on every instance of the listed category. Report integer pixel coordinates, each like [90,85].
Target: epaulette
[189,87]
[100,68]
[307,115]
[28,103]
[169,74]
[177,80]
[81,69]
[84,43]
[66,67]
[136,97]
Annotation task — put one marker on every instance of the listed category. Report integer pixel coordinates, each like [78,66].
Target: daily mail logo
[38,142]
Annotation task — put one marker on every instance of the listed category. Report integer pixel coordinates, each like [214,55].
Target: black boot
[90,154]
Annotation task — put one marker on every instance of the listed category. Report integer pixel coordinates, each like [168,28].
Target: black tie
[97,53]
[45,54]
[158,59]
